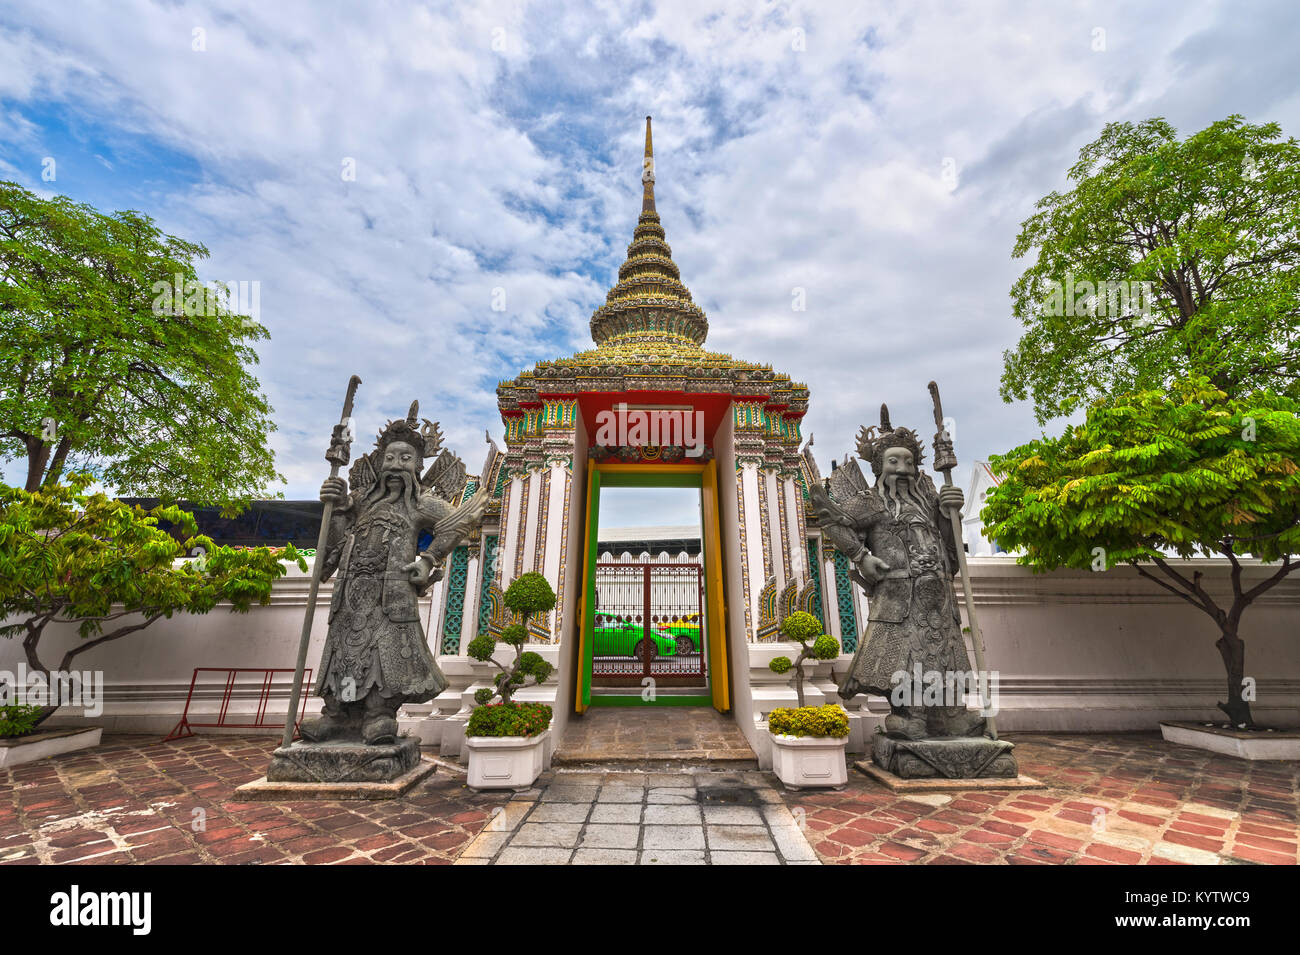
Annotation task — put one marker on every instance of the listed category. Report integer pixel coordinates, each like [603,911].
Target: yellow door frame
[705,477]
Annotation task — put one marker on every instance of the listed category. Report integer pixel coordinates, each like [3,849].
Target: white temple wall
[737,548]
[569,526]
[753,543]
[524,561]
[772,526]
[795,531]
[1076,651]
[509,543]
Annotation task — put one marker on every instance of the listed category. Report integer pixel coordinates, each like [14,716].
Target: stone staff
[338,455]
[945,459]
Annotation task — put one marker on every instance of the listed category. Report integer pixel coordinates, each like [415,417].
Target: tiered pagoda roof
[649,337]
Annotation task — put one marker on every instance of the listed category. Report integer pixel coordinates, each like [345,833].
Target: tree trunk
[798,676]
[55,470]
[45,714]
[38,453]
[1233,650]
[34,632]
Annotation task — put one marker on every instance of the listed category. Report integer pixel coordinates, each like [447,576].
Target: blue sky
[497,146]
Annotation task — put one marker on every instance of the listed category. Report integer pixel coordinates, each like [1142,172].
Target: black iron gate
[649,623]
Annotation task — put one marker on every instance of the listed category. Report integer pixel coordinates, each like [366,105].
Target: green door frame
[607,475]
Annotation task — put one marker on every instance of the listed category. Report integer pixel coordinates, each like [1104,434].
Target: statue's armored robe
[375,639]
[912,614]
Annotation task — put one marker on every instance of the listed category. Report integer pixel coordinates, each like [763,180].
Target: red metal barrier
[186,726]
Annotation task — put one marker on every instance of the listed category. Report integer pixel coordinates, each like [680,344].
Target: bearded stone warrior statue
[898,537]
[376,657]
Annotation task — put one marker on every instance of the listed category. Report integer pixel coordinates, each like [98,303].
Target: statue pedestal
[959,757]
[344,770]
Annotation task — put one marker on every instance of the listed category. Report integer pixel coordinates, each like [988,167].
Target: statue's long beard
[394,485]
[899,490]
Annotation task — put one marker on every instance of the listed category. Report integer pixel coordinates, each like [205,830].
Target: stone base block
[965,757]
[265,790]
[343,762]
[939,784]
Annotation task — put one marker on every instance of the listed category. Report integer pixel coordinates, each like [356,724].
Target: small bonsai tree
[804,629]
[530,594]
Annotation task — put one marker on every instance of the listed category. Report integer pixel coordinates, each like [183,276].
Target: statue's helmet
[426,440]
[874,442]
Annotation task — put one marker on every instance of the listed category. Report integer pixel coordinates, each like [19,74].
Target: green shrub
[509,719]
[17,719]
[780,665]
[819,721]
[825,647]
[530,593]
[515,635]
[800,626]
[482,647]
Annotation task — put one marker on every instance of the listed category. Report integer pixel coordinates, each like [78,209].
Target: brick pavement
[135,800]
[1112,799]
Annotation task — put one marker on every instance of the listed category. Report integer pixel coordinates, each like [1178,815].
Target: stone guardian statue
[376,657]
[898,537]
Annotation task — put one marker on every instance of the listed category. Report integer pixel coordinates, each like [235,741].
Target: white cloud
[497,146]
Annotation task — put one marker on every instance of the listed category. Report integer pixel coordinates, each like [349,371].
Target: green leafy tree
[116,360]
[804,629]
[529,594]
[67,557]
[1188,471]
[1166,259]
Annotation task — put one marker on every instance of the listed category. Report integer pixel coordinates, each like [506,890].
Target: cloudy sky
[878,156]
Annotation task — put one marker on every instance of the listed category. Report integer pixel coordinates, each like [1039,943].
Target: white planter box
[506,762]
[39,745]
[803,761]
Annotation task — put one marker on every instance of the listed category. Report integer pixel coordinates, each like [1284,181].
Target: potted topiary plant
[808,742]
[507,741]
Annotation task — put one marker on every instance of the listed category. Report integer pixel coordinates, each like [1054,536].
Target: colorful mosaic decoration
[844,596]
[815,572]
[489,576]
[454,618]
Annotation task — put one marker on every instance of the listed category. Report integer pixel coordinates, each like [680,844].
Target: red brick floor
[134,799]
[1112,799]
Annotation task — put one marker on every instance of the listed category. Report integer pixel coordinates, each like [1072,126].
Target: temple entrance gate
[650,626]
[650,606]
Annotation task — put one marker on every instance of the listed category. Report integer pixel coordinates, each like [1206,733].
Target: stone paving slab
[639,818]
[669,736]
[1110,799]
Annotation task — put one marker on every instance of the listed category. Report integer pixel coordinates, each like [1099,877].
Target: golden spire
[648,173]
[649,303]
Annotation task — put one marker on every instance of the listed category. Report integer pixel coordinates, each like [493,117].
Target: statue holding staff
[899,539]
[376,657]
